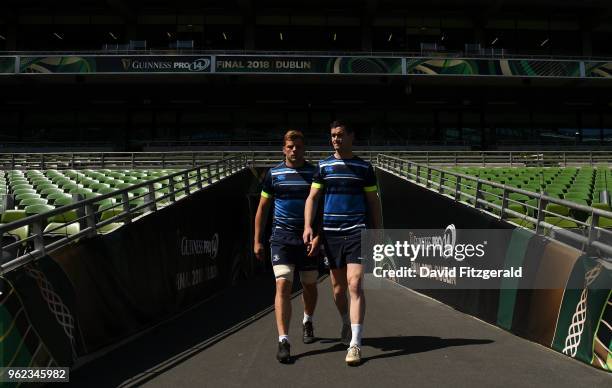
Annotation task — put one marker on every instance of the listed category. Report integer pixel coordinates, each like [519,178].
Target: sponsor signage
[115,64]
[308,65]
[280,64]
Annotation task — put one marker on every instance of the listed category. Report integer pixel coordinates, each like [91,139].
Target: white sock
[307,318]
[356,338]
[282,337]
[345,319]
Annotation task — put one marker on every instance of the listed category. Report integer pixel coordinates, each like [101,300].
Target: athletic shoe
[353,356]
[346,334]
[308,331]
[284,350]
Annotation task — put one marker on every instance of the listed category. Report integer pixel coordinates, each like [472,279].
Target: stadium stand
[134,137]
[52,207]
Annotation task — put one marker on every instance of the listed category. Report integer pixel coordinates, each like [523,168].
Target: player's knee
[308,278]
[354,285]
[283,287]
[339,289]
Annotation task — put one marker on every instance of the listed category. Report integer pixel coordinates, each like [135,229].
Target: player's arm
[372,199]
[310,211]
[265,201]
[261,217]
[317,227]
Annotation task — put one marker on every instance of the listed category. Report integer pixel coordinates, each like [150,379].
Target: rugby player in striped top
[351,204]
[288,185]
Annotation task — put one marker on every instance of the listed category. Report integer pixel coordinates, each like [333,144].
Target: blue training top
[290,188]
[345,182]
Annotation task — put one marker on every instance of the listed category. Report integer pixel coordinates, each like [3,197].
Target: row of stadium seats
[587,186]
[36,192]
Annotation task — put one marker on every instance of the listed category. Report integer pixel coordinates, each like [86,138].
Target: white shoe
[353,356]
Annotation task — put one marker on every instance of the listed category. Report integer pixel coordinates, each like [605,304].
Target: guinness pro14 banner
[115,64]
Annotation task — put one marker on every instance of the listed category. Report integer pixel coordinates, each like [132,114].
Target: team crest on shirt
[276,258]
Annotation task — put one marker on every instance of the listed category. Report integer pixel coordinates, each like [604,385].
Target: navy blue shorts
[342,250]
[288,248]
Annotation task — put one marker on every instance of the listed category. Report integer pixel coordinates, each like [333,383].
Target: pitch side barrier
[471,190]
[186,159]
[572,317]
[66,296]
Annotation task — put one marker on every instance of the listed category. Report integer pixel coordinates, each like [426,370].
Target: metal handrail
[412,171]
[203,176]
[423,53]
[112,160]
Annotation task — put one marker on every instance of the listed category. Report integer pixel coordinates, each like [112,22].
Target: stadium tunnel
[180,285]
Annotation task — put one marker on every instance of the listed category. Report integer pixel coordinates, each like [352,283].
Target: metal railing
[129,204]
[483,54]
[143,160]
[496,199]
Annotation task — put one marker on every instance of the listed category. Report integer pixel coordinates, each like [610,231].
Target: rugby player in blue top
[351,203]
[287,185]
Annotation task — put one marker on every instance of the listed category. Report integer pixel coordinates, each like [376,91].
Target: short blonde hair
[293,135]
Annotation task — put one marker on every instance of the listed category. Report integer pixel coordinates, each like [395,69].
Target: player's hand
[258,249]
[308,236]
[313,248]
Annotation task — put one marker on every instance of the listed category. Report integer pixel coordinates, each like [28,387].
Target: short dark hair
[292,135]
[340,123]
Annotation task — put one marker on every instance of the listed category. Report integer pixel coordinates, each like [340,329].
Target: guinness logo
[126,63]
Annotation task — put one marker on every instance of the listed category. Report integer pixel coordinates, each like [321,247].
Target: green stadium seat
[140,191]
[23,189]
[124,185]
[106,190]
[110,213]
[12,215]
[560,222]
[517,208]
[79,190]
[579,201]
[54,196]
[105,204]
[603,222]
[55,229]
[518,197]
[96,187]
[577,195]
[21,196]
[63,201]
[557,209]
[50,190]
[522,222]
[69,216]
[601,206]
[45,186]
[71,186]
[557,191]
[32,201]
[38,209]
[20,233]
[532,206]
